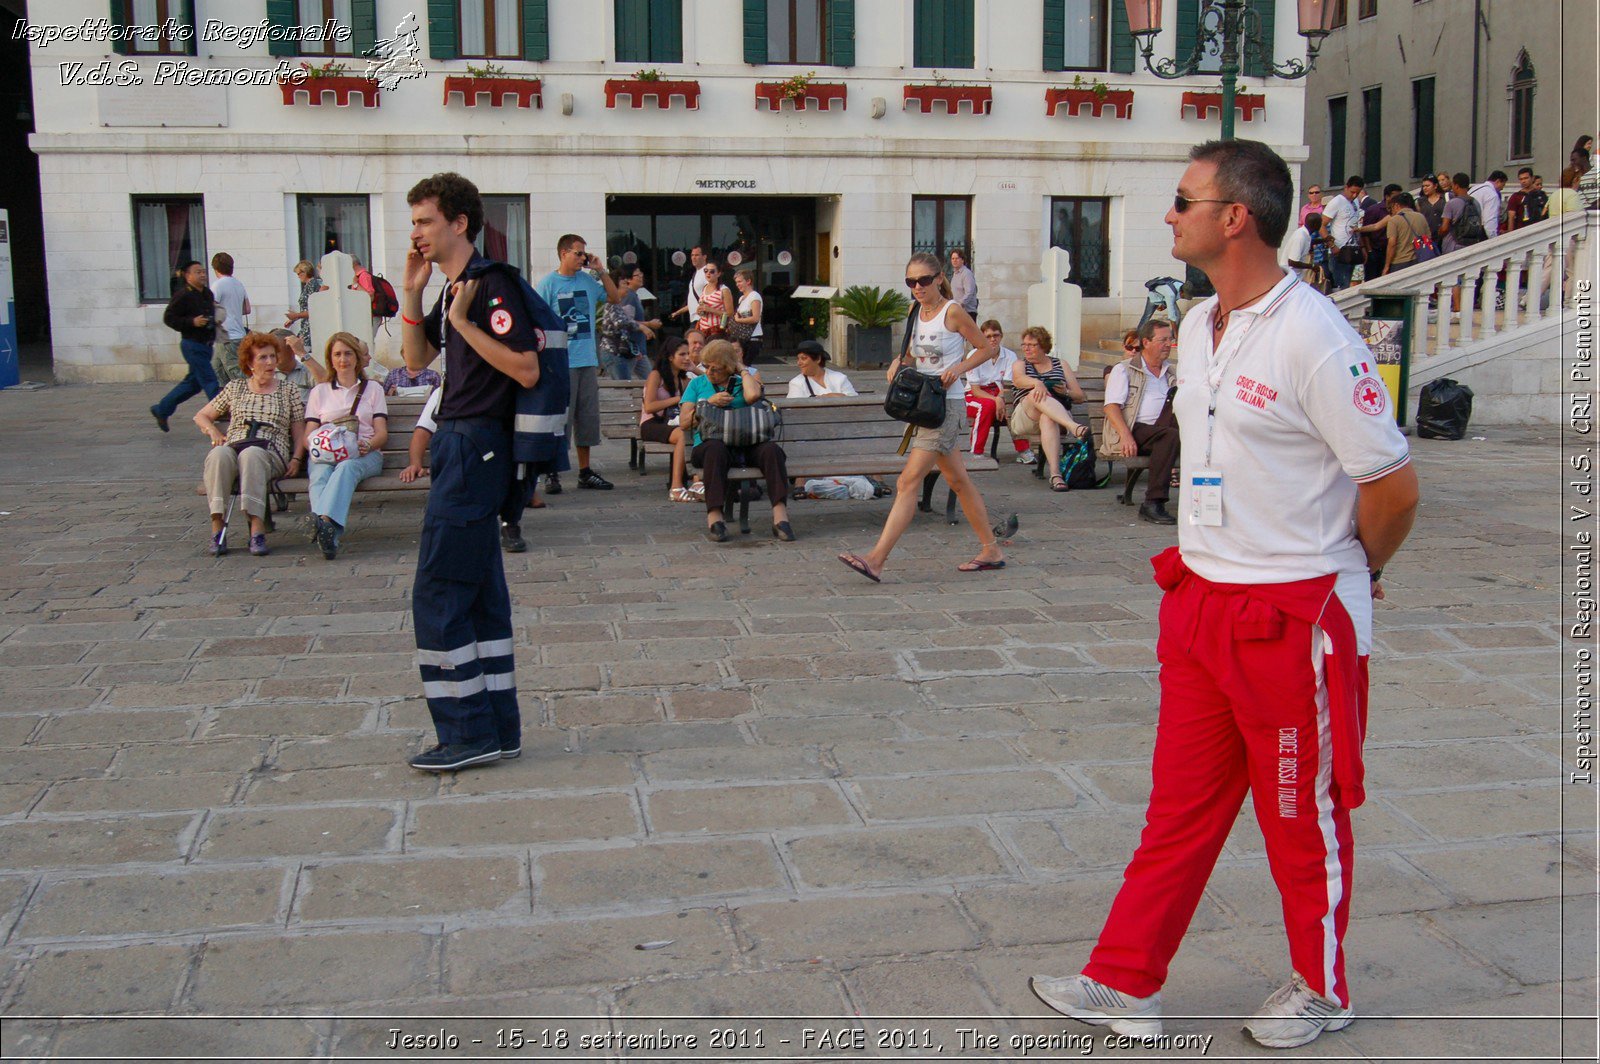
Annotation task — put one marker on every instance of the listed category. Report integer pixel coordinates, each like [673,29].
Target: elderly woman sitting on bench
[266,429]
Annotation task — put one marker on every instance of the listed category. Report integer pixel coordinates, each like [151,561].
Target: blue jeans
[200,378]
[332,485]
[628,365]
[1340,272]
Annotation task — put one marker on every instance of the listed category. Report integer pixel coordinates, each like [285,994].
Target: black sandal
[717,532]
[782,531]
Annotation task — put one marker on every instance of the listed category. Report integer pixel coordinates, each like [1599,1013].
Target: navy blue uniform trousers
[461,609]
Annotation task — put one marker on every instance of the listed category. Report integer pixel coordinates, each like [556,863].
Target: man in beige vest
[1139,416]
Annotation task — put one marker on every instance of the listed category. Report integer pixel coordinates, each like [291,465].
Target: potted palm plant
[872,313]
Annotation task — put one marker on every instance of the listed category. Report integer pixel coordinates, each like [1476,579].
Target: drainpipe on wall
[1477,22]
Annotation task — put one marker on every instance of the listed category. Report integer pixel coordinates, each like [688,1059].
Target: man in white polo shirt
[1297,489]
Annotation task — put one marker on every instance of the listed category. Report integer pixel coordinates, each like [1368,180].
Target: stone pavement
[827,797]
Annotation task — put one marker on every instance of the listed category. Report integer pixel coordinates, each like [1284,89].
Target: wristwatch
[1376,574]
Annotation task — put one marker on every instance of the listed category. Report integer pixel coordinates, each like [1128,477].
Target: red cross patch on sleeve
[1370,397]
[500,321]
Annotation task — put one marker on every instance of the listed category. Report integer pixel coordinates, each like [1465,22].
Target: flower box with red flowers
[637,90]
[499,91]
[1094,103]
[320,82]
[823,94]
[1203,103]
[977,99]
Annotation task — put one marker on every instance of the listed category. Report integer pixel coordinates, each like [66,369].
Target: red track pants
[982,404]
[1261,690]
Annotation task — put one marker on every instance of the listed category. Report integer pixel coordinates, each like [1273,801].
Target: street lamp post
[1229,29]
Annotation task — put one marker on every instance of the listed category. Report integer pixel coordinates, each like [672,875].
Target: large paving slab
[752,783]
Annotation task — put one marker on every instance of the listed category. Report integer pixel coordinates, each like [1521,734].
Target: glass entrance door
[775,236]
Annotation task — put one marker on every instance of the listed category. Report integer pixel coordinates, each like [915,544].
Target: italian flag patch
[1358,370]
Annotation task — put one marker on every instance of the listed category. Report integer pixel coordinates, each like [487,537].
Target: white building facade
[139,175]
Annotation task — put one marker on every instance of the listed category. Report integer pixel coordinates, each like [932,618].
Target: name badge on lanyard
[1205,497]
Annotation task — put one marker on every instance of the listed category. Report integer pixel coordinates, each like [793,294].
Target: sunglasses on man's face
[1181,203]
[921,282]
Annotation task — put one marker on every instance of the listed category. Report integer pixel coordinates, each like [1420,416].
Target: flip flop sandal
[860,566]
[977,565]
[1058,483]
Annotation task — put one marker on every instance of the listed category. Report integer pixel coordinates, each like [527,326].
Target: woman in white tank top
[941,334]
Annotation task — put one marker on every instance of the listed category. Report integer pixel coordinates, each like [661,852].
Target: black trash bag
[1443,410]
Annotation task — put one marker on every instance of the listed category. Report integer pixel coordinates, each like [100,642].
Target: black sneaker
[511,540]
[443,758]
[511,754]
[160,421]
[593,481]
[1156,513]
[328,537]
[552,484]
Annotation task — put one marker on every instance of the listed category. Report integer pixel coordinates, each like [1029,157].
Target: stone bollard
[338,308]
[1057,304]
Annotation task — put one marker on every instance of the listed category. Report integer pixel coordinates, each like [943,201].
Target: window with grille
[1080,226]
[941,224]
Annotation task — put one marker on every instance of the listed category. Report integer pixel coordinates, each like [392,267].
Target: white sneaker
[1026,458]
[1084,999]
[1294,1015]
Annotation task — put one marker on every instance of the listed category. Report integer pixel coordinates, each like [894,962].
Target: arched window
[1523,83]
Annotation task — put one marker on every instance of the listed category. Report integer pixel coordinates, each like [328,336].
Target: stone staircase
[1512,354]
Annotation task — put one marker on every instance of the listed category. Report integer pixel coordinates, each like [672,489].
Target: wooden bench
[619,414]
[838,438]
[403,414]
[1092,408]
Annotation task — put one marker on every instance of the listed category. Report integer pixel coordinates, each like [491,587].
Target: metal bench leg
[745,495]
[633,456]
[640,445]
[929,482]
[950,506]
[1132,480]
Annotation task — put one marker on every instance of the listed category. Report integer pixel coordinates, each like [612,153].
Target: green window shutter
[842,32]
[1267,9]
[536,30]
[755,32]
[960,41]
[443,33]
[186,18]
[632,30]
[363,25]
[1187,20]
[942,34]
[666,31]
[1122,49]
[281,14]
[1055,42]
[119,19]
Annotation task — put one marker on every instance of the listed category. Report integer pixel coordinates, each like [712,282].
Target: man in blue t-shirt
[575,289]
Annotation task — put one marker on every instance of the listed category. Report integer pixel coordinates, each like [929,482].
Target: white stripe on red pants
[983,401]
[1244,706]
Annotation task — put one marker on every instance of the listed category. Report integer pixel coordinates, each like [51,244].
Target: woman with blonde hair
[727,383]
[351,400]
[940,334]
[310,285]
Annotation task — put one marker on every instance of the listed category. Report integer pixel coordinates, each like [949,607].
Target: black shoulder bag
[914,397]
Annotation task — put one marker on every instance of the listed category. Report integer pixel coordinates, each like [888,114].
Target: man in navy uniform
[460,606]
